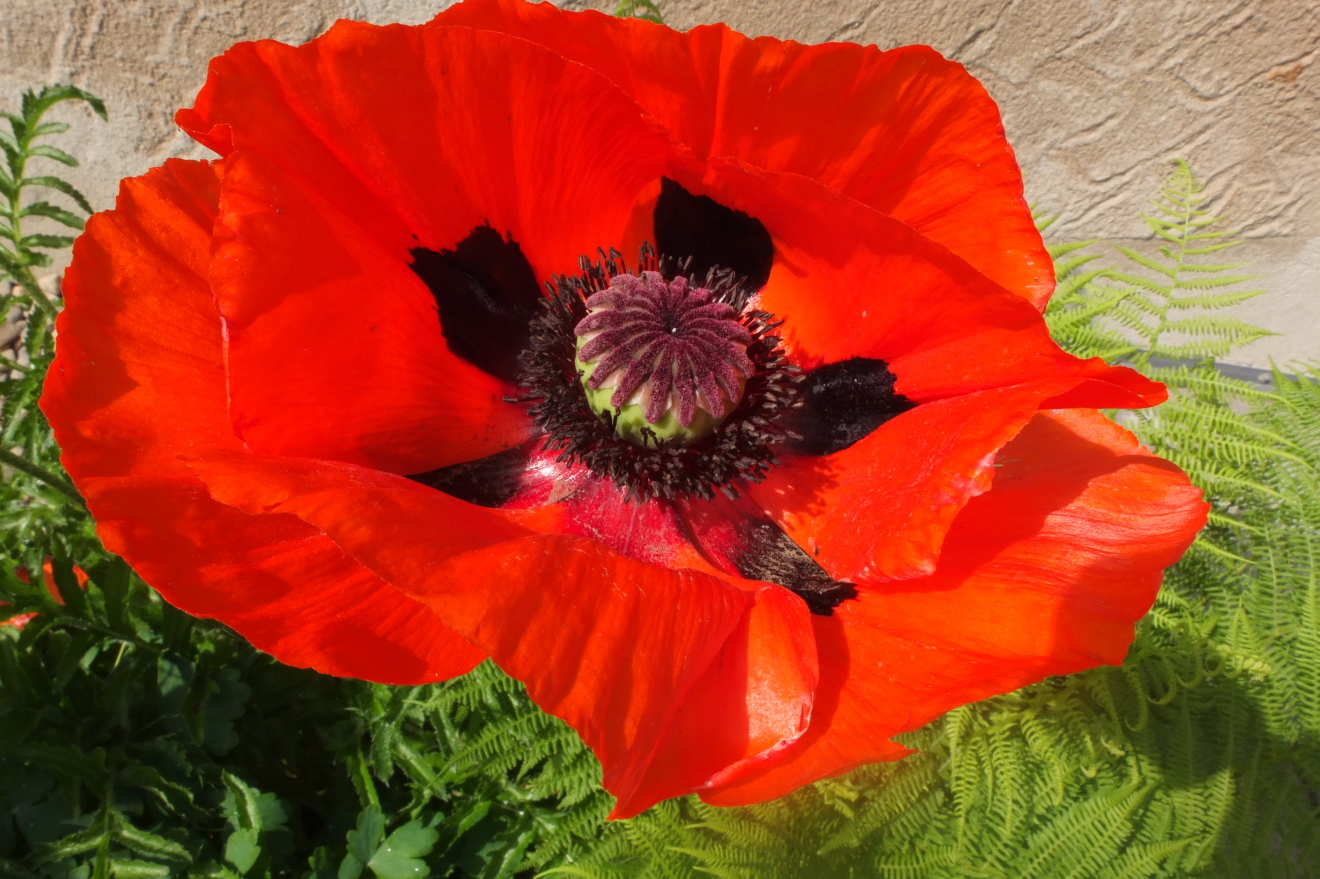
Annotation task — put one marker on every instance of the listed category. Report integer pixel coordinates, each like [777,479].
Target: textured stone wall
[1097,96]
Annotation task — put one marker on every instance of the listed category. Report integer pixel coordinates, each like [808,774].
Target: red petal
[648,531]
[139,377]
[849,281]
[904,131]
[440,131]
[335,348]
[611,645]
[902,485]
[1043,575]
[138,371]
[752,703]
[281,584]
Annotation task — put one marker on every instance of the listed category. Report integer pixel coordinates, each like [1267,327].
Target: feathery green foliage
[644,9]
[136,741]
[38,505]
[1157,306]
[135,738]
[1168,302]
[20,251]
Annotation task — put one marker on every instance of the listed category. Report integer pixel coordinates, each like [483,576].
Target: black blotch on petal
[841,403]
[713,235]
[767,553]
[487,295]
[488,482]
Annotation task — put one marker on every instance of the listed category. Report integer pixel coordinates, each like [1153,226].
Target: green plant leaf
[242,806]
[150,844]
[60,185]
[51,152]
[242,849]
[363,841]
[400,856]
[130,869]
[47,241]
[58,214]
[34,105]
[643,9]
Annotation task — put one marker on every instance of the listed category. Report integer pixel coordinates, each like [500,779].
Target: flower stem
[59,483]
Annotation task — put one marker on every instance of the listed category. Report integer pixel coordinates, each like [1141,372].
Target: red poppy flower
[841,481]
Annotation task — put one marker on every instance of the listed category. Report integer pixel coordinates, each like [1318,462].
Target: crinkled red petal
[611,645]
[904,131]
[754,701]
[334,348]
[1045,574]
[902,485]
[648,531]
[281,584]
[849,281]
[443,130]
[139,378]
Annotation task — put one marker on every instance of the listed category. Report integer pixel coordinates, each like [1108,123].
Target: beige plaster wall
[1097,96]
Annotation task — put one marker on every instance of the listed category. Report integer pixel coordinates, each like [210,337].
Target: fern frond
[1175,278]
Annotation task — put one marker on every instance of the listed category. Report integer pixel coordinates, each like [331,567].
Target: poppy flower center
[663,356]
[669,383]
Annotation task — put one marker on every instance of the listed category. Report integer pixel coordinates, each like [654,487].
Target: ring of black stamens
[742,448]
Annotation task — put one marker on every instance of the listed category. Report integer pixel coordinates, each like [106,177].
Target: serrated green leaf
[321,864]
[172,796]
[35,105]
[150,844]
[350,868]
[46,128]
[243,810]
[75,843]
[222,707]
[50,211]
[1143,260]
[50,152]
[59,185]
[132,869]
[464,820]
[9,263]
[67,760]
[51,242]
